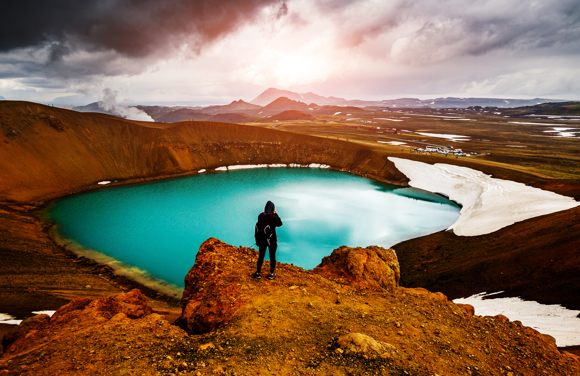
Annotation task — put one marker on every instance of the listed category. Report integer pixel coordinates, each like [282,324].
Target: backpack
[263,233]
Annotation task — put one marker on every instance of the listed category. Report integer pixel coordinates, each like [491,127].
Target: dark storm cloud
[42,83]
[10,68]
[137,29]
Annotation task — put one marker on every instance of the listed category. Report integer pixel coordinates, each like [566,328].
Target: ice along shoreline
[489,204]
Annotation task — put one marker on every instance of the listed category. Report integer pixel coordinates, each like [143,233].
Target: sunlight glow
[300,70]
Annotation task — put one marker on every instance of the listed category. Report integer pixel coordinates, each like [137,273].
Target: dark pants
[262,254]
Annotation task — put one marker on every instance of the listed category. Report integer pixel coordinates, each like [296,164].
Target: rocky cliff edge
[348,316]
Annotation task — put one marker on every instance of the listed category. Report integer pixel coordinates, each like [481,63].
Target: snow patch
[452,137]
[274,165]
[559,129]
[201,171]
[521,122]
[317,165]
[562,132]
[104,182]
[489,204]
[50,313]
[388,119]
[566,134]
[337,113]
[10,320]
[246,167]
[552,319]
[396,143]
[439,116]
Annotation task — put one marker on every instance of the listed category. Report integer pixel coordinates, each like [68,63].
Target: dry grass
[499,142]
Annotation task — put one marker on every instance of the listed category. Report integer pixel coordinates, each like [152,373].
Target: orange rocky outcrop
[212,296]
[363,267]
[78,313]
[293,324]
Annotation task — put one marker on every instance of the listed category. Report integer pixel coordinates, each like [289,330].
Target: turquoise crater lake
[158,227]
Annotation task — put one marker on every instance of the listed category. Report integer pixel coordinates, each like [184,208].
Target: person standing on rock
[265,234]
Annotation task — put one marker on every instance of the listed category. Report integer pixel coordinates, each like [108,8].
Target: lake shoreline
[154,230]
[42,275]
[89,265]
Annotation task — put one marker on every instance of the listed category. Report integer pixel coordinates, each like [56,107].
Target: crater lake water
[158,227]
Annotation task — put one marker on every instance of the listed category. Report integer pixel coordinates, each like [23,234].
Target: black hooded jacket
[271,218]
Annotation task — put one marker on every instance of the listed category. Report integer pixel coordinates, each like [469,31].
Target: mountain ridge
[272,94]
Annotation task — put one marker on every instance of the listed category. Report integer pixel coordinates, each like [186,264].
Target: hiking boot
[271,276]
[256,275]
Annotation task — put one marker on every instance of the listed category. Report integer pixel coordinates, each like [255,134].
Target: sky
[217,51]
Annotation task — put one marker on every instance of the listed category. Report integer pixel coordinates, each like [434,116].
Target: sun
[298,69]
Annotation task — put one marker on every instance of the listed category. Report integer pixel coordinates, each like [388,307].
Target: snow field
[552,319]
[489,204]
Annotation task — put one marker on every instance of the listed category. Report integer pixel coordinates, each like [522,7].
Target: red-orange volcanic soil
[47,153]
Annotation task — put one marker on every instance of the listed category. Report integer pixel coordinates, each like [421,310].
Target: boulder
[501,317]
[78,312]
[364,345]
[133,304]
[212,293]
[27,328]
[467,308]
[370,267]
[420,291]
[70,309]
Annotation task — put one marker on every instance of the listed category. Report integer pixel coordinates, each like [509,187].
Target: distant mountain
[71,100]
[285,103]
[234,112]
[235,106]
[156,111]
[92,107]
[183,114]
[272,94]
[548,109]
[233,118]
[279,105]
[2,98]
